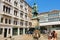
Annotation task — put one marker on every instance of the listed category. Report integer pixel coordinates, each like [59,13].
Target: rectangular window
[15,12]
[26,30]
[21,31]
[9,21]
[15,3]
[6,21]
[1,20]
[9,10]
[9,31]
[26,9]
[15,31]
[15,22]
[26,23]
[21,15]
[53,19]
[6,9]
[53,15]
[26,15]
[30,24]
[1,30]
[21,23]
[21,6]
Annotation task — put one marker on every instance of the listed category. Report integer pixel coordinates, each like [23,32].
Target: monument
[35,18]
[35,22]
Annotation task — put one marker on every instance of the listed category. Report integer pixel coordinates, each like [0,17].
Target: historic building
[15,18]
[50,20]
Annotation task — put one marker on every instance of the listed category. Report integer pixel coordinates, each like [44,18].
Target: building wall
[14,14]
[20,11]
[50,18]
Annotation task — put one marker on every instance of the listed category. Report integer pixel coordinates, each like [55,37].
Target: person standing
[36,34]
[49,36]
[54,35]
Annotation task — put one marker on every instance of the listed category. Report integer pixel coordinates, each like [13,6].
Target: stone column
[4,20]
[24,24]
[24,16]
[23,30]
[0,18]
[7,31]
[18,31]
[11,32]
[3,32]
[12,21]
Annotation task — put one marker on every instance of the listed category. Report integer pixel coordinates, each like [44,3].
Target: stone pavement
[43,37]
[29,37]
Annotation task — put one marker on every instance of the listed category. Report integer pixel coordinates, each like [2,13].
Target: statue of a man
[34,10]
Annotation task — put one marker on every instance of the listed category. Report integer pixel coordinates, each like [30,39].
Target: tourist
[36,34]
[49,36]
[54,35]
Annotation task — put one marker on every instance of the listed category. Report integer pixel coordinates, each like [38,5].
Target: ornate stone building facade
[15,19]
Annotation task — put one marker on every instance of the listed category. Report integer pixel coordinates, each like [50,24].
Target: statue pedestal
[35,22]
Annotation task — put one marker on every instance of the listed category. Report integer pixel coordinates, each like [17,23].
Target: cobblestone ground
[43,37]
[29,37]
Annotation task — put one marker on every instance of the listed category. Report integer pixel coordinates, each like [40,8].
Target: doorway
[5,32]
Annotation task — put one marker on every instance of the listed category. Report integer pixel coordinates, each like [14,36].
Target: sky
[45,5]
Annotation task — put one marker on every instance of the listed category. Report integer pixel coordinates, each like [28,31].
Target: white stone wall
[12,10]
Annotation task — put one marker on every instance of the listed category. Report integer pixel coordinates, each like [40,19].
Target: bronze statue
[34,10]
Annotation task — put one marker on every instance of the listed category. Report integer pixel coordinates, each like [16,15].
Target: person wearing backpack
[36,34]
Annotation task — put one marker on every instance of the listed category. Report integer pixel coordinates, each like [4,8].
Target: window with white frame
[26,15]
[1,20]
[21,22]
[30,23]
[21,31]
[15,12]
[21,14]
[26,9]
[6,20]
[9,21]
[21,6]
[26,23]
[15,31]
[15,3]
[1,30]
[6,9]
[15,22]
[9,30]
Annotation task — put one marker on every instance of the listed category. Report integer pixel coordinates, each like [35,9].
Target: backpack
[36,34]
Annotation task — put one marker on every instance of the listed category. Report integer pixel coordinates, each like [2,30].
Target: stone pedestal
[35,22]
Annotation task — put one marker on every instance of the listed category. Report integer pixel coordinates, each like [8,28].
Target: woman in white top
[49,36]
